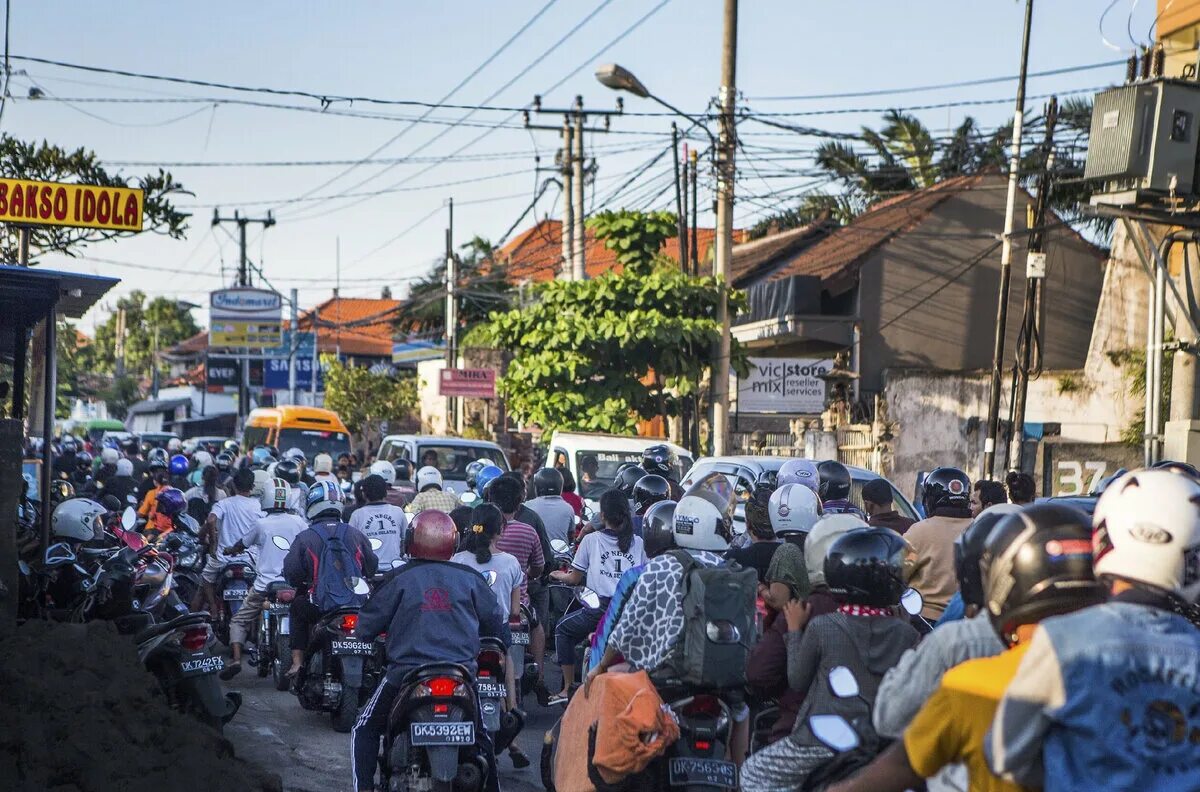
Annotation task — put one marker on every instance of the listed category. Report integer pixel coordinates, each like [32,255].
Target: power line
[910,108]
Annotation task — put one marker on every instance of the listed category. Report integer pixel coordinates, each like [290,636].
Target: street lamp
[618,78]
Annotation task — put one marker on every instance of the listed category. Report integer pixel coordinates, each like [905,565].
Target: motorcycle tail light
[349,622]
[703,705]
[442,686]
[285,595]
[441,709]
[703,745]
[490,658]
[194,638]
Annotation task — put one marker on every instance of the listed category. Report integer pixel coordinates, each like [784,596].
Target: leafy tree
[600,354]
[168,318]
[21,159]
[482,288]
[122,393]
[364,398]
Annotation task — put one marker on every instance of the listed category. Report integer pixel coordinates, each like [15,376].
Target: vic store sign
[26,202]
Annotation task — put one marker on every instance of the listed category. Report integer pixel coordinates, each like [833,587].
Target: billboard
[224,373]
[275,375]
[471,383]
[245,317]
[28,202]
[783,385]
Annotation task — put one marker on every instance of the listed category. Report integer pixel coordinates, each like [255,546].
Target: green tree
[161,319]
[601,354]
[21,159]
[119,395]
[363,398]
[482,288]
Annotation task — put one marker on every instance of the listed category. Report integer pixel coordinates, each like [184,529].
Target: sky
[385,220]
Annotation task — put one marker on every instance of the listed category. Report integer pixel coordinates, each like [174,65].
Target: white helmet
[427,476]
[202,459]
[704,515]
[174,445]
[124,467]
[261,478]
[384,470]
[1147,529]
[275,495]
[109,456]
[78,520]
[799,471]
[324,496]
[323,463]
[794,509]
[822,535]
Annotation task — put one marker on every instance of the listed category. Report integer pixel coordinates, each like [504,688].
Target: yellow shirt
[952,725]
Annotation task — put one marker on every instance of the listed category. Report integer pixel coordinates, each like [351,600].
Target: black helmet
[60,490]
[758,512]
[157,458]
[403,469]
[945,487]
[627,478]
[224,461]
[649,490]
[288,470]
[865,566]
[968,549]
[835,480]
[657,459]
[83,462]
[547,481]
[657,528]
[1038,563]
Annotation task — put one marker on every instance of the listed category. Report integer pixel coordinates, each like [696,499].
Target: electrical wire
[7,67]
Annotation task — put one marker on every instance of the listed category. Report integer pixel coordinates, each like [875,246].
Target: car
[744,471]
[157,439]
[603,455]
[450,455]
[194,444]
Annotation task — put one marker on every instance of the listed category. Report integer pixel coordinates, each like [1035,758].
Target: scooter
[854,743]
[503,726]
[233,584]
[333,675]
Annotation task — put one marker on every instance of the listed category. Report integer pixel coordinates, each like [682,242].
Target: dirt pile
[79,713]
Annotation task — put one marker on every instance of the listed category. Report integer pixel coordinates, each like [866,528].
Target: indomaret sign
[81,205]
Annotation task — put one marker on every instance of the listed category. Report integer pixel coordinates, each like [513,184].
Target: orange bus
[311,429]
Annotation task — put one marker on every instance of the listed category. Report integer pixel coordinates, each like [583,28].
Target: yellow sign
[237,333]
[81,205]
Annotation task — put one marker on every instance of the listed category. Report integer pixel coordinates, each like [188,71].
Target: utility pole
[451,315]
[724,236]
[680,199]
[579,270]
[1035,273]
[567,158]
[243,279]
[694,243]
[1014,165]
[295,323]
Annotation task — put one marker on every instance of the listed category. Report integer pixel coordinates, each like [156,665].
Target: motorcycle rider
[323,507]
[381,521]
[763,543]
[323,468]
[649,490]
[430,494]
[178,466]
[288,470]
[122,485]
[277,522]
[985,494]
[880,506]
[403,487]
[228,521]
[658,460]
[557,515]
[81,474]
[387,471]
[865,572]
[1037,563]
[945,496]
[834,489]
[433,611]
[1106,698]
[799,471]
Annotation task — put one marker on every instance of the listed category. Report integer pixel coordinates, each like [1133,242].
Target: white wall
[432,405]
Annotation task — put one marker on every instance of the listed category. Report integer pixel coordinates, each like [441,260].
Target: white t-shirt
[235,516]
[382,524]
[502,572]
[284,525]
[198,492]
[601,559]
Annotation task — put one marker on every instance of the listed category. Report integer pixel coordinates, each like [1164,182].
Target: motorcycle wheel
[281,663]
[347,710]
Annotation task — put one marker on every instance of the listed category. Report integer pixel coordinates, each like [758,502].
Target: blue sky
[422,50]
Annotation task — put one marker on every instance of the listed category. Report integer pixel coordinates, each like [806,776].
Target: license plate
[235,594]
[198,666]
[493,690]
[688,771]
[520,639]
[285,625]
[449,733]
[350,648]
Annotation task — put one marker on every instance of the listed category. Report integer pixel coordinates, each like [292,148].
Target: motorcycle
[492,689]
[337,667]
[561,595]
[189,563]
[524,673]
[233,584]
[432,740]
[854,743]
[697,760]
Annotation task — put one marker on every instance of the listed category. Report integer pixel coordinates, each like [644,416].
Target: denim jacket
[1106,698]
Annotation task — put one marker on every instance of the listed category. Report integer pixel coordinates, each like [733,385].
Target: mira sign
[469,383]
[783,385]
[26,202]
[245,317]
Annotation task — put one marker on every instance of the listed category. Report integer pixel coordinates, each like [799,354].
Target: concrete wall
[430,403]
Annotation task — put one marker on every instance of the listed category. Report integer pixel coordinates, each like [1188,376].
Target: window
[315,441]
[452,460]
[255,436]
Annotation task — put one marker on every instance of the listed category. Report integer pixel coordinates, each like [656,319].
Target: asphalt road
[274,731]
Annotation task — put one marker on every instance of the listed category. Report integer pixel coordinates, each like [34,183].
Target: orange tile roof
[536,253]
[355,325]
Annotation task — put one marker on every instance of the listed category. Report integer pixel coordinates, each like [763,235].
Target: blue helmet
[171,502]
[324,497]
[179,465]
[486,476]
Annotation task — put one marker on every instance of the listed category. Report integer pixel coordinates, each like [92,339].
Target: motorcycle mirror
[359,586]
[128,518]
[842,682]
[59,554]
[559,546]
[23,568]
[912,601]
[467,497]
[280,542]
[589,598]
[723,631]
[834,731]
[397,563]
[376,544]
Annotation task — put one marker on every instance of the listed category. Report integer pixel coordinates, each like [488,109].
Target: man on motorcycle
[431,494]
[1106,698]
[403,487]
[557,515]
[834,489]
[387,472]
[433,611]
[271,537]
[381,522]
[1036,564]
[946,498]
[799,471]
[229,520]
[657,460]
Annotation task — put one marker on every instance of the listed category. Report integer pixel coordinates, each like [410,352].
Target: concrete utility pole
[579,268]
[451,314]
[680,198]
[724,236]
[295,295]
[1014,166]
[567,157]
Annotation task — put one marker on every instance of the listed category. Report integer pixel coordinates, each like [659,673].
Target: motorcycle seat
[273,589]
[156,630]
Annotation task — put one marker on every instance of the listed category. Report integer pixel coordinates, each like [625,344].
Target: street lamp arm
[695,121]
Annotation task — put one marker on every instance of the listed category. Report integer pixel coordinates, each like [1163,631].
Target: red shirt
[575,501]
[521,540]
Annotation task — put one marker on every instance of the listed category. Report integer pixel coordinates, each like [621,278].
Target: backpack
[337,566]
[713,595]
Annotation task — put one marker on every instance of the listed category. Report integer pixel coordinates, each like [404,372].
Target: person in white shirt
[230,520]
[323,468]
[272,537]
[383,524]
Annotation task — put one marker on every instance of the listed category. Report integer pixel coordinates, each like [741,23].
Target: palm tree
[482,288]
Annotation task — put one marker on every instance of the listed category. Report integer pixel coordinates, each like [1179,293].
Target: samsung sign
[783,385]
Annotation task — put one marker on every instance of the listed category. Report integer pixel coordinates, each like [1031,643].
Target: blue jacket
[432,612]
[1105,698]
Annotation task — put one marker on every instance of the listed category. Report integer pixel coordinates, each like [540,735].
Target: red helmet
[432,536]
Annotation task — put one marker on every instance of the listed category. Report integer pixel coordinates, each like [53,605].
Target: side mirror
[842,682]
[359,586]
[280,542]
[397,563]
[128,519]
[589,598]
[467,497]
[834,731]
[723,632]
[490,576]
[912,601]
[376,544]
[59,554]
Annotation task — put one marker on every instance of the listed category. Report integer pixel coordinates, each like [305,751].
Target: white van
[593,459]
[450,455]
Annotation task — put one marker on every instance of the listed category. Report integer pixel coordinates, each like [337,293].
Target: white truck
[593,459]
